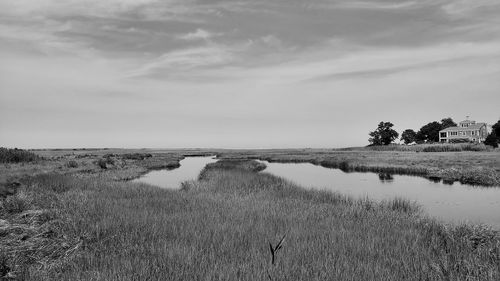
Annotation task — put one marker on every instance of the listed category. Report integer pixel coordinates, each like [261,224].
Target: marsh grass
[347,166]
[14,155]
[479,167]
[474,168]
[478,176]
[233,164]
[72,164]
[432,147]
[455,147]
[219,227]
[402,205]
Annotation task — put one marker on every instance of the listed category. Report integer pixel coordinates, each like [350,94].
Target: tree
[409,136]
[383,135]
[493,138]
[429,132]
[447,122]
[496,128]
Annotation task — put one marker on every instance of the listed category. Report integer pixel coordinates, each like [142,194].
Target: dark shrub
[110,161]
[14,155]
[72,164]
[492,140]
[102,163]
[185,186]
[344,166]
[4,267]
[136,156]
[9,188]
[13,205]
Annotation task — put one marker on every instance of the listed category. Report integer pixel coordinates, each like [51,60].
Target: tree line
[385,134]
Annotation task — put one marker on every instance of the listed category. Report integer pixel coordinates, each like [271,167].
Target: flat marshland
[81,221]
[470,164]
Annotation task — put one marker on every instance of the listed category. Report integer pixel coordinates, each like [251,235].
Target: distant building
[466,131]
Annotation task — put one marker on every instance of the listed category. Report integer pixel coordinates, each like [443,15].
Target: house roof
[467,121]
[476,126]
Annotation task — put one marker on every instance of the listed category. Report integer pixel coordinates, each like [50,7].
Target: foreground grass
[58,227]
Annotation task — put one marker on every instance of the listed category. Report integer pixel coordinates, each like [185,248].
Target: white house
[466,131]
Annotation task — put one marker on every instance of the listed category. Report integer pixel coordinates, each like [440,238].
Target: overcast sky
[250,73]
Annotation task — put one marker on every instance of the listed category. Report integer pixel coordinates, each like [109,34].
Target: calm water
[189,170]
[452,203]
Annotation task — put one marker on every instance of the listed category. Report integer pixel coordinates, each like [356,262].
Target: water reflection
[385,177]
[448,182]
[447,200]
[434,179]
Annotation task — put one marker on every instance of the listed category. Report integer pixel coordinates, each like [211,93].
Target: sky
[241,73]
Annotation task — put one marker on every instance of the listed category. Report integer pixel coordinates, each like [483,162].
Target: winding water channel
[449,202]
[189,170]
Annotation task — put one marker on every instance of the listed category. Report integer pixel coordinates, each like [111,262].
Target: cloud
[157,27]
[382,62]
[173,63]
[376,73]
[111,9]
[323,65]
[375,5]
[272,41]
[199,34]
[42,39]
[467,7]
[214,65]
[75,7]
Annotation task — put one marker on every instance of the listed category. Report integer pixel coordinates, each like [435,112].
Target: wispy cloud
[199,34]
[467,7]
[376,63]
[174,63]
[375,5]
[107,8]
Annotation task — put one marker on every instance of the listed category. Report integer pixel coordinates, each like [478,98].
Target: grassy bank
[434,147]
[117,165]
[60,227]
[477,168]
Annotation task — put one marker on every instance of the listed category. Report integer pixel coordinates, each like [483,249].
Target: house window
[443,135]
